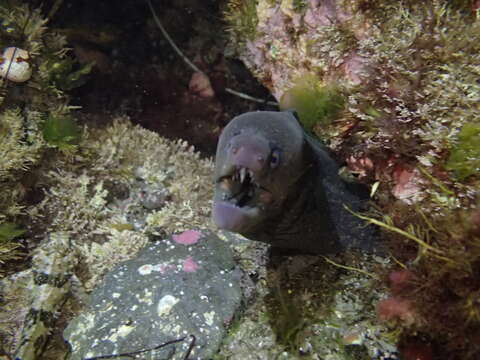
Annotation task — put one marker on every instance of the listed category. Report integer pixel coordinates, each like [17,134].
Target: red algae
[189,265]
[396,308]
[188,237]
[400,280]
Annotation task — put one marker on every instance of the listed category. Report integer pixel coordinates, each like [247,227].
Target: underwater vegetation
[35,71]
[61,132]
[409,127]
[8,232]
[312,311]
[242,19]
[123,187]
[315,104]
[464,158]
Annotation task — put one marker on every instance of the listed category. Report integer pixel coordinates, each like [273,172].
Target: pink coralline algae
[189,265]
[396,308]
[355,68]
[188,237]
[320,14]
[200,85]
[407,184]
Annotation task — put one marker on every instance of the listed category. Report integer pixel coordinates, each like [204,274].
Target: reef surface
[392,88]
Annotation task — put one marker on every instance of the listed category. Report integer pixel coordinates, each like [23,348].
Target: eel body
[276,184]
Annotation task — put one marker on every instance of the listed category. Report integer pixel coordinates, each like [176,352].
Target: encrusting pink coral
[189,265]
[188,237]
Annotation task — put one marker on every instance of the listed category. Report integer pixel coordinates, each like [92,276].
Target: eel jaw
[239,200]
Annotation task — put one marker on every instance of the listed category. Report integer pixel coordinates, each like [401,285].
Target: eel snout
[240,197]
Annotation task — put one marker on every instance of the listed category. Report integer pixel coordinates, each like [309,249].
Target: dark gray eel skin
[276,184]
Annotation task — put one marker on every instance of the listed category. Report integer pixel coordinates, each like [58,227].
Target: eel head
[259,155]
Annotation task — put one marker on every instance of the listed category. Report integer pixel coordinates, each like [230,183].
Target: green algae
[300,5]
[315,103]
[61,132]
[464,158]
[123,227]
[8,249]
[66,74]
[287,317]
[242,20]
[9,231]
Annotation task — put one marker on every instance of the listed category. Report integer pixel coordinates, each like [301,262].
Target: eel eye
[274,158]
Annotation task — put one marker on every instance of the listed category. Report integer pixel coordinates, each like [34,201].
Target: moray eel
[276,184]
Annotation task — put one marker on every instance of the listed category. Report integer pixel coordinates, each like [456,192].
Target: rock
[184,285]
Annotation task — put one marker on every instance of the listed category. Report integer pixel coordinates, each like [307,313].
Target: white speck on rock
[209,317]
[166,304]
[124,330]
[145,269]
[148,298]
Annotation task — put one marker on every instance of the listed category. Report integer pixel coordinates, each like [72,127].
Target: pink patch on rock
[188,237]
[407,184]
[320,14]
[355,68]
[396,308]
[256,53]
[361,166]
[189,265]
[200,85]
[400,280]
[162,268]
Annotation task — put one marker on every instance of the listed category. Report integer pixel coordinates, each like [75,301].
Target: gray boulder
[185,287]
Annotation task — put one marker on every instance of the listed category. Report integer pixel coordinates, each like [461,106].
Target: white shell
[16,59]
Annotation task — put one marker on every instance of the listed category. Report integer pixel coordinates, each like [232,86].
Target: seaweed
[35,114]
[315,103]
[464,158]
[8,248]
[241,18]
[61,132]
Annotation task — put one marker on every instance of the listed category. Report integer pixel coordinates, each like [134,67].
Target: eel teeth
[243,173]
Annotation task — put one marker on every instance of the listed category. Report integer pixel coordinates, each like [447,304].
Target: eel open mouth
[240,188]
[239,199]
